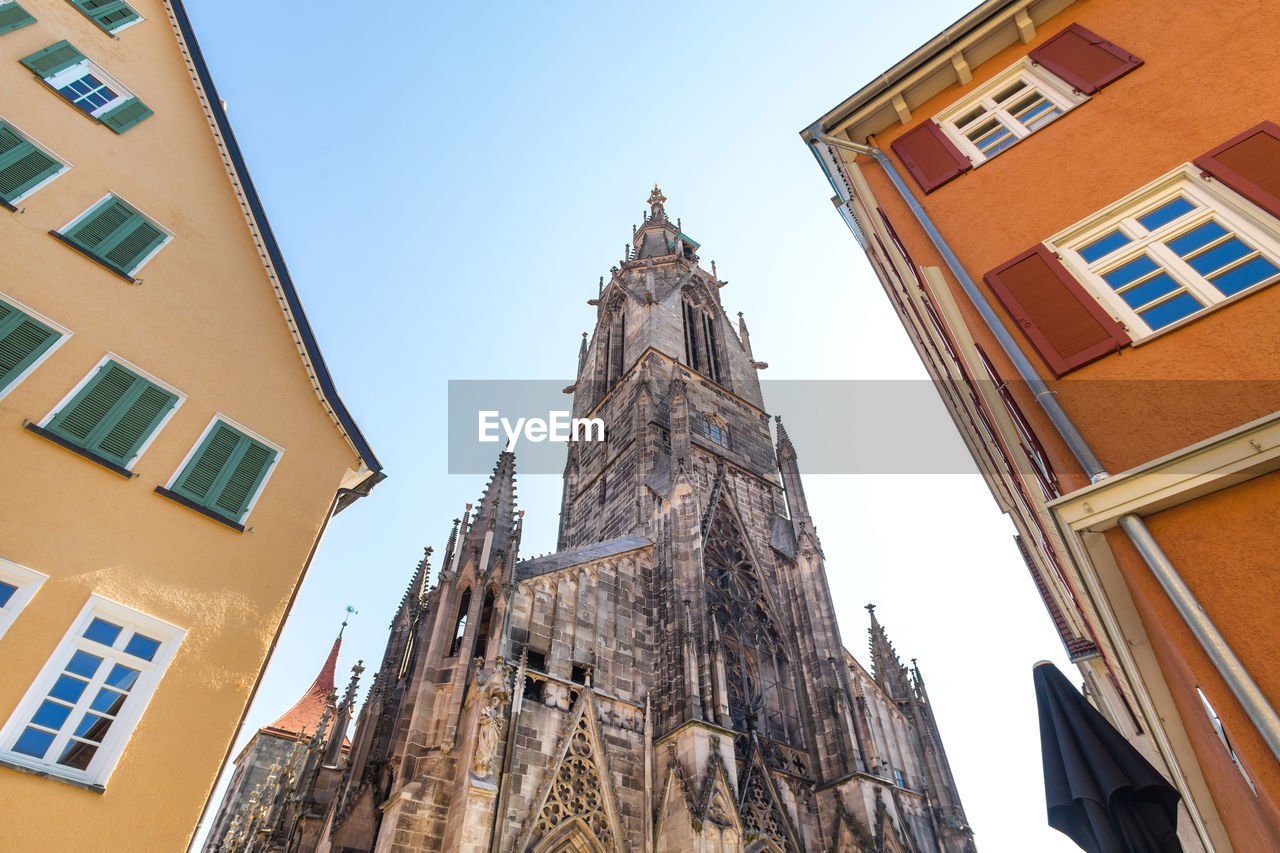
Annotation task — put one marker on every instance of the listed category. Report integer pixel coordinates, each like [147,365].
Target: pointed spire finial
[656,200]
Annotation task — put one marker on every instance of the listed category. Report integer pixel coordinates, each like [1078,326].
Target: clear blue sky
[449,181]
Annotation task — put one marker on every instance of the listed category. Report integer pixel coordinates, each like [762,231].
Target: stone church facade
[672,678]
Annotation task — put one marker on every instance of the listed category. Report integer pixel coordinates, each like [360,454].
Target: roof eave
[943,42]
[313,358]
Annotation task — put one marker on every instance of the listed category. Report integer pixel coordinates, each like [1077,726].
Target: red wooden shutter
[1085,60]
[1250,165]
[929,156]
[1062,321]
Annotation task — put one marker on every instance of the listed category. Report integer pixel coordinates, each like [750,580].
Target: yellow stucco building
[173,445]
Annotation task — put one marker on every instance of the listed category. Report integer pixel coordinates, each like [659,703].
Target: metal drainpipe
[1233,672]
[1079,448]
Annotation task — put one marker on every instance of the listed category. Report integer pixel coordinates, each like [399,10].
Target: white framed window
[18,585]
[25,164]
[1006,109]
[1172,249]
[226,472]
[27,338]
[118,235]
[78,715]
[114,412]
[88,88]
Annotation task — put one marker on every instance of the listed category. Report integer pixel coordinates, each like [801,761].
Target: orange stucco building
[172,440]
[1078,220]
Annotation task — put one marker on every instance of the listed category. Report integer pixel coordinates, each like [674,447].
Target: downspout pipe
[1075,441]
[1225,661]
[1246,690]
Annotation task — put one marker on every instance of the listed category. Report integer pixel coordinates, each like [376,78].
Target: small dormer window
[715,429]
[685,246]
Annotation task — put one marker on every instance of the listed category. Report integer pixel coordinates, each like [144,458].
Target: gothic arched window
[486,623]
[460,627]
[759,683]
[715,429]
[701,338]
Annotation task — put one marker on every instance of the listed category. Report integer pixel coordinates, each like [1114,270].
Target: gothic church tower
[673,677]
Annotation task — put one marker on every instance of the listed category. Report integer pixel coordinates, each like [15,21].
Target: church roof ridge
[577,556]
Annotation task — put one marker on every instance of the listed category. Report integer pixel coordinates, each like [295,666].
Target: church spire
[889,672]
[797,505]
[495,515]
[306,712]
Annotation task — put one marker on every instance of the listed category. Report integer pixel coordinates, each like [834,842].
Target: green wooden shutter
[197,480]
[13,16]
[246,476]
[113,414]
[100,223]
[117,234]
[54,58]
[135,242]
[22,165]
[22,341]
[139,419]
[125,115]
[111,15]
[226,472]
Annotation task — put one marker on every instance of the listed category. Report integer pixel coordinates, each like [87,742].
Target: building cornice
[947,59]
[1232,457]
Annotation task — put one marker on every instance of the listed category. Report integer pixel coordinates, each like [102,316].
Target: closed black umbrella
[1100,791]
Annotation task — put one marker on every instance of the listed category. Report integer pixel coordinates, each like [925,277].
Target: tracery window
[760,688]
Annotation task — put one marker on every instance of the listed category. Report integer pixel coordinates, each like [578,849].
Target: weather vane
[351,611]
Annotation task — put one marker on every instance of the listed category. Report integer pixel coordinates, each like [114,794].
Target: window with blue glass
[715,429]
[1172,250]
[78,716]
[86,86]
[1007,109]
[18,584]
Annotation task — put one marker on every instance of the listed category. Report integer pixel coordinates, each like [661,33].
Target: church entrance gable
[576,803]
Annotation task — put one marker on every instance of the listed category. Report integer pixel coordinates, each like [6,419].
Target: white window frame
[1238,216]
[27,581]
[66,166]
[142,262]
[128,365]
[1054,90]
[35,315]
[236,425]
[82,68]
[117,738]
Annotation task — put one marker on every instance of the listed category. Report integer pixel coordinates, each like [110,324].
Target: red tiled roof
[309,709]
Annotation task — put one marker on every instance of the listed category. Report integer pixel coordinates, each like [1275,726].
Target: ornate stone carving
[494,693]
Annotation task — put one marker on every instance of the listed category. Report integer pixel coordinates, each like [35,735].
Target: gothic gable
[575,809]
[764,817]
